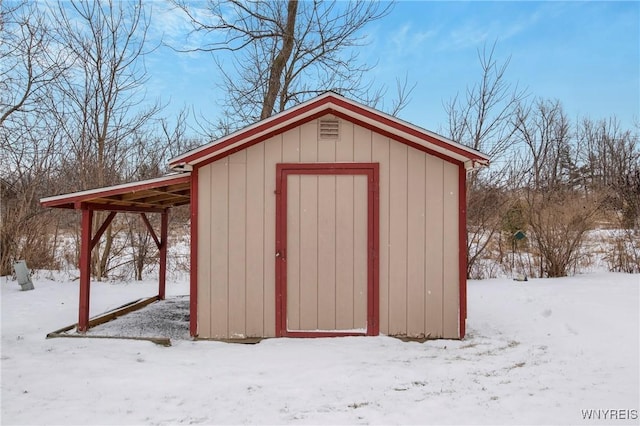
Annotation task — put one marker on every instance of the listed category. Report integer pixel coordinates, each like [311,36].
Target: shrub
[558,224]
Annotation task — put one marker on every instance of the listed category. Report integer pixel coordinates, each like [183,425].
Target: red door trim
[371,170]
[462,248]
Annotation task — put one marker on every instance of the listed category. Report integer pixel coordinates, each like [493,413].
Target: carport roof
[145,196]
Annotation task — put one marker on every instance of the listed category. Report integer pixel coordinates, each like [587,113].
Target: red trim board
[252,131]
[328,103]
[462,248]
[193,267]
[398,125]
[261,138]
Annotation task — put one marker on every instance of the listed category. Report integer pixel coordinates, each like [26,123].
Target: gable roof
[331,103]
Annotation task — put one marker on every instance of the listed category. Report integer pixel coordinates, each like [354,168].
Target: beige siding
[450,251]
[308,252]
[398,225]
[434,214]
[326,296]
[204,253]
[344,147]
[219,259]
[272,156]
[345,217]
[236,243]
[255,260]
[293,251]
[416,244]
[418,269]
[359,252]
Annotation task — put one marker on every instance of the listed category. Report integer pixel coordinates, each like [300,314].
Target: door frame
[372,171]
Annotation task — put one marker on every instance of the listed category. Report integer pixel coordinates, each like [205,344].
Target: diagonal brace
[151,231]
[103,228]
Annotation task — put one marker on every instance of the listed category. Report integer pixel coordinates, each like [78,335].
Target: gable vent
[329,128]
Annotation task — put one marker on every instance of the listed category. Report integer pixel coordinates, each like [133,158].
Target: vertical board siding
[434,215]
[326,295]
[308,138]
[272,156]
[255,236]
[290,147]
[360,255]
[362,145]
[237,244]
[398,224]
[451,282]
[345,267]
[345,146]
[327,150]
[308,252]
[418,241]
[327,283]
[219,259]
[293,251]
[204,250]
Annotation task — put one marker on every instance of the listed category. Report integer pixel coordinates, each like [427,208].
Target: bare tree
[31,63]
[29,162]
[482,119]
[101,105]
[149,159]
[30,59]
[624,255]
[607,151]
[557,213]
[544,129]
[558,224]
[610,157]
[286,52]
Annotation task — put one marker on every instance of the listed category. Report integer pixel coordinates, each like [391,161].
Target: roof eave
[75,199]
[332,103]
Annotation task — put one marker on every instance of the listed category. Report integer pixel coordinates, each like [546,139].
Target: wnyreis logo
[619,414]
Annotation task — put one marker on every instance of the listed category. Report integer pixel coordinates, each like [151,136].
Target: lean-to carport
[148,196]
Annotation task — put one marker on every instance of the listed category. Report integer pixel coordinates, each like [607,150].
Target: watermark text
[609,414]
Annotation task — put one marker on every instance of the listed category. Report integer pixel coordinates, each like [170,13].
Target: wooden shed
[328,219]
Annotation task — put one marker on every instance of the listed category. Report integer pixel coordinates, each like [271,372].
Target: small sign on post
[22,273]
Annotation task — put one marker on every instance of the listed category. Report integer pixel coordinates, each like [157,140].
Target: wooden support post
[162,247]
[164,227]
[85,270]
[193,270]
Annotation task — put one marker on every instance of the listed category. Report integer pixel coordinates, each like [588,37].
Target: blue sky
[585,54]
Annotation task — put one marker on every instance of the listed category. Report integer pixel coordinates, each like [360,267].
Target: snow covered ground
[546,351]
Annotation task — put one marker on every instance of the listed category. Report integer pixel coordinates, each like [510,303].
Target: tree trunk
[280,61]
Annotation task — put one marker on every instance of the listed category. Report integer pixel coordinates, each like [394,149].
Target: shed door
[326,249]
